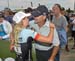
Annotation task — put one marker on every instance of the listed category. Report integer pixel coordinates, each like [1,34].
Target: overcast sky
[15,4]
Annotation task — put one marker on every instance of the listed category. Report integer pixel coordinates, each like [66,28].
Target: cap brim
[28,14]
[36,13]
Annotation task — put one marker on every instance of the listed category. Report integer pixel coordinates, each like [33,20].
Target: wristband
[37,36]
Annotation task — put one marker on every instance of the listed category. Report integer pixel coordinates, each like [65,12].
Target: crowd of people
[47,30]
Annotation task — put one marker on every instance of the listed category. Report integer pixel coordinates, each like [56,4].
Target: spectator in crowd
[63,12]
[72,22]
[5,28]
[8,14]
[50,15]
[44,51]
[61,25]
[29,10]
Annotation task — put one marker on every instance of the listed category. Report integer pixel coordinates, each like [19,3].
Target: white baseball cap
[19,16]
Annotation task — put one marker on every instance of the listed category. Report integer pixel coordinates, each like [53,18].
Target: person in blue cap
[44,51]
[21,34]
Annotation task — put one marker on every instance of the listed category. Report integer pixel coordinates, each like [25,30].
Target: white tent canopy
[19,4]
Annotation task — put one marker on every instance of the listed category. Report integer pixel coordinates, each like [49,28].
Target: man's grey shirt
[44,30]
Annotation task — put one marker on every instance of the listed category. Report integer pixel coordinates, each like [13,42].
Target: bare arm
[56,43]
[55,51]
[66,28]
[12,41]
[49,38]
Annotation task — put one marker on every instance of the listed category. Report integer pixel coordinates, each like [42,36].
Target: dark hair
[8,9]
[1,15]
[62,8]
[28,10]
[59,6]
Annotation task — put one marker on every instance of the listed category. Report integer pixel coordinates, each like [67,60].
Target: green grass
[5,52]
[33,53]
[4,49]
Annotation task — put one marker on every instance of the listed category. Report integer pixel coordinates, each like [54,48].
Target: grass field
[5,52]
[4,49]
